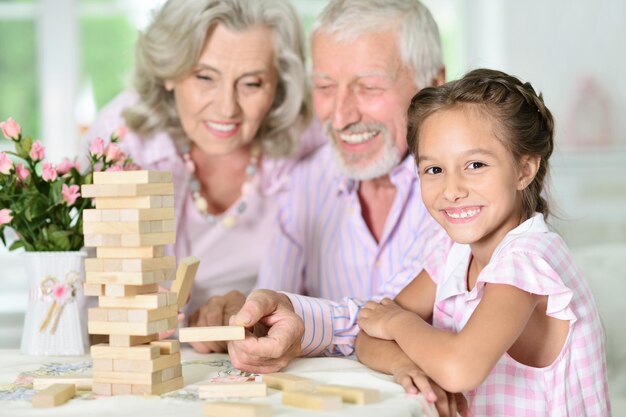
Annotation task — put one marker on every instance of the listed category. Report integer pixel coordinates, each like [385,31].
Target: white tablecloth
[14,391]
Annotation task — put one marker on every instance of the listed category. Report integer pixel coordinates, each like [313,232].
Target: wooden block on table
[167,347]
[82,382]
[147,365]
[131,177]
[238,409]
[211,333]
[172,372]
[287,382]
[117,377]
[102,365]
[146,352]
[130,253]
[184,279]
[157,389]
[130,240]
[232,389]
[122,340]
[126,190]
[121,389]
[352,395]
[54,395]
[142,202]
[142,301]
[121,290]
[312,401]
[91,289]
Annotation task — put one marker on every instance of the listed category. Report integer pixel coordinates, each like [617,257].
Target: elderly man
[353,224]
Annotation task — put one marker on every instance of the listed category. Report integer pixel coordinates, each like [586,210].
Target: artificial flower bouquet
[41,201]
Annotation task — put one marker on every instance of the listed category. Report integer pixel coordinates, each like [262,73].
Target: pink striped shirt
[325,251]
[536,260]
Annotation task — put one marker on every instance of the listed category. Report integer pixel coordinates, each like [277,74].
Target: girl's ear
[528,167]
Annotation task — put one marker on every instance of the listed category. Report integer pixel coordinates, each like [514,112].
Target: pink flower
[5,216]
[70,194]
[113,153]
[49,173]
[132,167]
[97,147]
[22,173]
[64,167]
[37,151]
[6,165]
[10,129]
[60,292]
[120,133]
[114,168]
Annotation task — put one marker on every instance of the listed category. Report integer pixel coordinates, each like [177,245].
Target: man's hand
[277,344]
[216,312]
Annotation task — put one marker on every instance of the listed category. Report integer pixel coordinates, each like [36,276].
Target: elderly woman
[221,100]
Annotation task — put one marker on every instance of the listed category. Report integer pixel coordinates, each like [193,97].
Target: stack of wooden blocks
[132,221]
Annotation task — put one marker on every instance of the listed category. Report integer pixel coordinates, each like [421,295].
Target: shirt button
[378,264]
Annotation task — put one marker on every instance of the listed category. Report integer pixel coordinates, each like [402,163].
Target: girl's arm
[460,362]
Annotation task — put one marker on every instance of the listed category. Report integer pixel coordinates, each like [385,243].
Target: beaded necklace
[200,202]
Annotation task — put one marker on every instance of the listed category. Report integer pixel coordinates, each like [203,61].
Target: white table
[197,368]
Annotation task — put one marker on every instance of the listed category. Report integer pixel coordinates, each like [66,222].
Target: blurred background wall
[62,60]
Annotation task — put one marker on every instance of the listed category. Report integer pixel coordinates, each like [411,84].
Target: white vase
[55,322]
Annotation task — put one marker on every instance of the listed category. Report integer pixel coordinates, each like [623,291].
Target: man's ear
[440,78]
[528,167]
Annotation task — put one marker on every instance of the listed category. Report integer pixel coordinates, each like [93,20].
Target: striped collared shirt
[325,252]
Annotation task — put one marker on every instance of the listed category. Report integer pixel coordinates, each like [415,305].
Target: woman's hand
[375,318]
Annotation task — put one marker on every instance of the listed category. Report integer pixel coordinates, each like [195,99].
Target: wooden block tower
[132,221]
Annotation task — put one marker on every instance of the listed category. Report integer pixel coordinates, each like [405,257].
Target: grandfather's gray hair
[169,49]
[418,35]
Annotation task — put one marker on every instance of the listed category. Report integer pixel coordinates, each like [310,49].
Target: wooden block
[147,301]
[171,372]
[118,315]
[121,290]
[128,278]
[147,365]
[94,215]
[147,352]
[91,289]
[232,389]
[117,228]
[236,409]
[130,253]
[129,265]
[101,388]
[121,389]
[54,395]
[312,401]
[121,340]
[157,389]
[144,315]
[130,240]
[287,382]
[212,333]
[97,314]
[127,328]
[131,177]
[82,382]
[184,279]
[167,347]
[144,202]
[352,395]
[126,190]
[117,377]
[102,365]
[130,215]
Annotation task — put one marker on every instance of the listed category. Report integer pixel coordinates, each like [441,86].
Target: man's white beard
[387,159]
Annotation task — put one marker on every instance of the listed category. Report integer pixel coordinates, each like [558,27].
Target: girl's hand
[375,319]
[414,380]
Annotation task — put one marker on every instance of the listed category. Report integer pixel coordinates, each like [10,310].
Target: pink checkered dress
[538,261]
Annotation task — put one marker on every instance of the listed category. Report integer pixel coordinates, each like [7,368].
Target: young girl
[514,324]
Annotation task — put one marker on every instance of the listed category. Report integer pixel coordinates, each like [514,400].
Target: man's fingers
[258,304]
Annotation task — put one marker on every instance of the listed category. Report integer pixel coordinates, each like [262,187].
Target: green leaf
[16,245]
[59,239]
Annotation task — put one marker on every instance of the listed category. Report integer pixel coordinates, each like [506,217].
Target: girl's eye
[433,170]
[475,165]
